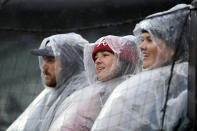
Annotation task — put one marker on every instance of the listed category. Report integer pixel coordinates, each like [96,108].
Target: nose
[45,66]
[98,60]
[143,46]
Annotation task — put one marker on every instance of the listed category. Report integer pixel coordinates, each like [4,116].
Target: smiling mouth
[145,56]
[99,69]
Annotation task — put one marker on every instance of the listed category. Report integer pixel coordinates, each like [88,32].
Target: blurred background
[25,23]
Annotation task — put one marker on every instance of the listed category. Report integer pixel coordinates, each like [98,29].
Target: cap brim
[42,52]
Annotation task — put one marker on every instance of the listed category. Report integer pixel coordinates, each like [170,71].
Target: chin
[52,85]
[101,78]
[105,78]
[146,65]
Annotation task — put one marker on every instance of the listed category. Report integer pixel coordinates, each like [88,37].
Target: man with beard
[62,72]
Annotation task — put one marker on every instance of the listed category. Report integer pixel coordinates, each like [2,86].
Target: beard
[50,80]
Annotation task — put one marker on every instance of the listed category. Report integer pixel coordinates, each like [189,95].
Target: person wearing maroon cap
[113,57]
[108,62]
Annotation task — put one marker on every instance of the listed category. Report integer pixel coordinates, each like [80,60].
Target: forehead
[146,34]
[103,51]
[48,57]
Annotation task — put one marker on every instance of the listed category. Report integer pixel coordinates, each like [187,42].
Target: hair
[144,31]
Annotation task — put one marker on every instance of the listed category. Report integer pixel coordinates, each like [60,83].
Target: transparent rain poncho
[84,105]
[124,48]
[70,76]
[137,104]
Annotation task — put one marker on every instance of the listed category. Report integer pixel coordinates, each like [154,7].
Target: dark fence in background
[82,16]
[19,74]
[24,24]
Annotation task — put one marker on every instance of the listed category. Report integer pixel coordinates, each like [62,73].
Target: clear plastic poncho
[84,105]
[126,50]
[137,104]
[70,76]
